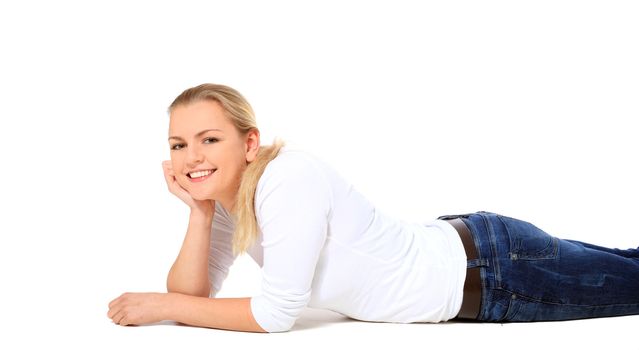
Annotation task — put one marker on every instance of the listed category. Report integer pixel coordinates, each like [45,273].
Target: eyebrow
[196,135]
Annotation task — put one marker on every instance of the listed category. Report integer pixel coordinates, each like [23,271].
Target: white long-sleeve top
[322,244]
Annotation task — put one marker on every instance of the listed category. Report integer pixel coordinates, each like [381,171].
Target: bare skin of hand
[137,308]
[204,206]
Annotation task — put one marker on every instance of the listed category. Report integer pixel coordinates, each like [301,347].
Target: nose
[193,156]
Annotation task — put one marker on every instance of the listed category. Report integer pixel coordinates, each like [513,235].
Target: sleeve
[221,249]
[292,209]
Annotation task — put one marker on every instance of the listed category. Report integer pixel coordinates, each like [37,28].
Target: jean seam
[526,298]
[493,265]
[493,247]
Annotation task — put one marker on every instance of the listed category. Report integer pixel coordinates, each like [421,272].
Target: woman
[322,244]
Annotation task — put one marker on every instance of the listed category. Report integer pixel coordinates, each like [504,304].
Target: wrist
[171,304]
[202,214]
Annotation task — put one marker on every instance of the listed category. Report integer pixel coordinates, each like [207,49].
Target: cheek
[182,180]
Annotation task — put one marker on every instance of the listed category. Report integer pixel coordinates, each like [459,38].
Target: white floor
[76,319]
[318,329]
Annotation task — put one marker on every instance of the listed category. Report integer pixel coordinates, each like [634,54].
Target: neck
[229,205]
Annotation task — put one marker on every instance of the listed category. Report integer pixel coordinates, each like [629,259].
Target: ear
[252,144]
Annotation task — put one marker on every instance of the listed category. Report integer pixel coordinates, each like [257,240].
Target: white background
[428,108]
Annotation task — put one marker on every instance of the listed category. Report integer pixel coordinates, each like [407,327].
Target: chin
[201,196]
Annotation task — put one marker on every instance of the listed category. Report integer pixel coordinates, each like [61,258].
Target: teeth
[200,173]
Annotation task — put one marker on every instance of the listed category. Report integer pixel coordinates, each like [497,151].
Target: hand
[203,206]
[138,308]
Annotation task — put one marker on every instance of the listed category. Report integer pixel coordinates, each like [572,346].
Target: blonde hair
[241,114]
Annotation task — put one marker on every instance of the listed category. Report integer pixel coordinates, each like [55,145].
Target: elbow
[187,284]
[196,292]
[283,329]
[274,318]
[274,329]
[189,292]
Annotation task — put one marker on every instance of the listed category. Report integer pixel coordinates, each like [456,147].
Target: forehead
[195,116]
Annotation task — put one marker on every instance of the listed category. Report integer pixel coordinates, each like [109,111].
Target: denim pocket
[514,305]
[527,242]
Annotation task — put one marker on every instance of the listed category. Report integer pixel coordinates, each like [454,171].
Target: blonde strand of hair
[246,229]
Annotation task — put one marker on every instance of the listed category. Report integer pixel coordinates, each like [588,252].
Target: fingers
[120,317]
[170,178]
[169,175]
[114,306]
[112,311]
[114,301]
[117,311]
[173,185]
[167,167]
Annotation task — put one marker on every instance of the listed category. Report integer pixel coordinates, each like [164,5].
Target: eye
[178,146]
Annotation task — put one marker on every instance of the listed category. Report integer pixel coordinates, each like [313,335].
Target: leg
[533,276]
[628,253]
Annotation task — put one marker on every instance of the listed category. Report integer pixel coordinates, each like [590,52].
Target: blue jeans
[529,275]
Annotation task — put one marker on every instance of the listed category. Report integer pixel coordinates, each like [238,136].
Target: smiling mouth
[200,174]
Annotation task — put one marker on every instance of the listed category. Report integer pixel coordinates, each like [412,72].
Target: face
[201,137]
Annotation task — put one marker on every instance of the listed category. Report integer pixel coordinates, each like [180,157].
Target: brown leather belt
[472,285]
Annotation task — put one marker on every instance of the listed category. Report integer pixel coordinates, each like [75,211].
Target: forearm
[221,313]
[189,273]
